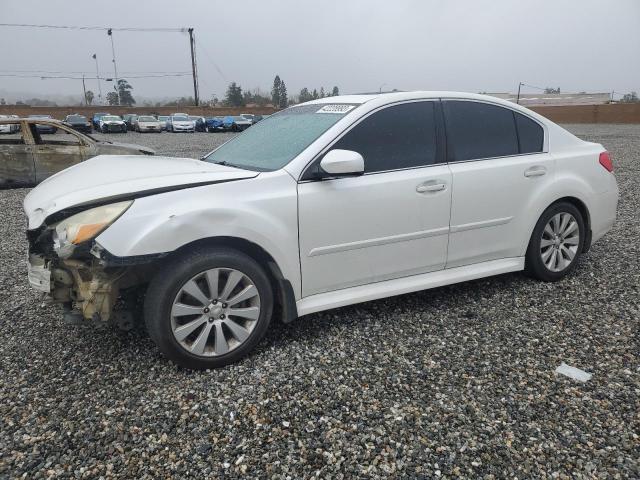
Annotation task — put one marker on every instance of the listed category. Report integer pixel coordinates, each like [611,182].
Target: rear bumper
[603,213]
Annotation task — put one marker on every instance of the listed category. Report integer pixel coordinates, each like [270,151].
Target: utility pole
[518,97]
[84,90]
[95,57]
[115,68]
[193,67]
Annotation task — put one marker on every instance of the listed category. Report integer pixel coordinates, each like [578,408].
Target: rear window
[180,119]
[146,119]
[530,134]
[478,130]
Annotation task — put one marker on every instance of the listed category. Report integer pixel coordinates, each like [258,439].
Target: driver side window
[394,138]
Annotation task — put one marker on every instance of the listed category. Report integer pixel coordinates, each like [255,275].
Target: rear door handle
[430,187]
[535,171]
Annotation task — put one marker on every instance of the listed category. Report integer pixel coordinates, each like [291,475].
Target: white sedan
[333,202]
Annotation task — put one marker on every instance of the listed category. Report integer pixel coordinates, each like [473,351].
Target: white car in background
[180,123]
[147,123]
[329,203]
[9,127]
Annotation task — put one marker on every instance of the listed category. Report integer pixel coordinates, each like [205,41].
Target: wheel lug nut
[206,310]
[211,319]
[214,302]
[222,316]
[224,305]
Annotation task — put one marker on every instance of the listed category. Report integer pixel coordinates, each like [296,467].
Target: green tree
[112,98]
[305,95]
[89,97]
[283,96]
[552,90]
[234,96]
[3,101]
[335,92]
[275,91]
[124,90]
[314,95]
[322,94]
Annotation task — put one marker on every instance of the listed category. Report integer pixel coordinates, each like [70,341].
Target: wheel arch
[285,297]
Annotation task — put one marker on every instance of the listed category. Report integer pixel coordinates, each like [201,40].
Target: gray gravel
[453,382]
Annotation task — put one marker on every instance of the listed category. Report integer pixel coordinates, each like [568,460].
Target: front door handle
[430,187]
[535,171]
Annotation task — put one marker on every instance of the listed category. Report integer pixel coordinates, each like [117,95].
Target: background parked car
[180,123]
[96,119]
[214,124]
[236,124]
[163,121]
[112,123]
[147,123]
[130,119]
[79,123]
[28,158]
[200,123]
[9,127]
[43,127]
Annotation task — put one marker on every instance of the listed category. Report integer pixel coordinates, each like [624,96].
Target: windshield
[146,119]
[272,143]
[162,117]
[180,119]
[111,118]
[76,118]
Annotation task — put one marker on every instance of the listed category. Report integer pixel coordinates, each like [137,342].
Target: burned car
[28,156]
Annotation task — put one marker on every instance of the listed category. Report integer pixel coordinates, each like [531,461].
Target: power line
[85,27]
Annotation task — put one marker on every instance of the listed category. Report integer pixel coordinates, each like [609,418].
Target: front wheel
[212,310]
[556,243]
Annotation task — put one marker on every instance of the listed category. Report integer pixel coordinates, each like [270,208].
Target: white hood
[108,176]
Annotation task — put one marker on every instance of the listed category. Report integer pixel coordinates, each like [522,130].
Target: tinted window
[401,136]
[530,134]
[479,130]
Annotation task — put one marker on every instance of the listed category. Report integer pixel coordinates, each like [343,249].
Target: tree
[3,101]
[335,92]
[234,96]
[305,95]
[275,91]
[314,95]
[322,94]
[630,98]
[89,97]
[112,98]
[552,90]
[283,96]
[124,89]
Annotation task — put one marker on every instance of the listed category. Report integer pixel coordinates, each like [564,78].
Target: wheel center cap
[215,310]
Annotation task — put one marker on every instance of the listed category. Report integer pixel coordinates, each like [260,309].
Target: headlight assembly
[86,225]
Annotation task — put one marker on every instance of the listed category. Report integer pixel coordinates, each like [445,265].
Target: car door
[17,168]
[53,153]
[391,222]
[499,161]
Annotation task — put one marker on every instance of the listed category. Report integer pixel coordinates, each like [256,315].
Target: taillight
[605,161]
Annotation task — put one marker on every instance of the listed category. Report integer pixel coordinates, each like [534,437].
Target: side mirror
[342,163]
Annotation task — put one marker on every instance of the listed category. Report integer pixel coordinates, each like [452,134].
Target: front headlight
[89,224]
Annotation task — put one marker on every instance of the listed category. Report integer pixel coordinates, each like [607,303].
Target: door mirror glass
[342,163]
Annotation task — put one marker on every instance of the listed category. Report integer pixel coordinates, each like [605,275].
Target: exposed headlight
[86,225]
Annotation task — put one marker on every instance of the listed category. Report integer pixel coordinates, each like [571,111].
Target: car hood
[105,146]
[108,178]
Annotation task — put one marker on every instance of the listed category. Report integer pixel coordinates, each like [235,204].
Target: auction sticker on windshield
[336,108]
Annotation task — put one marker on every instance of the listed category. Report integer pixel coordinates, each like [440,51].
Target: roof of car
[30,120]
[399,96]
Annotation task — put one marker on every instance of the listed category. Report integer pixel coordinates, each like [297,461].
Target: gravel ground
[453,382]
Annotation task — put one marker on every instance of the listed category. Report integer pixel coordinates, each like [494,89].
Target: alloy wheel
[559,242]
[215,312]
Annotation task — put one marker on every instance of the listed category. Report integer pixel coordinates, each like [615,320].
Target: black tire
[163,290]
[534,265]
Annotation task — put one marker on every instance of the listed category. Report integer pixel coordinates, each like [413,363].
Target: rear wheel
[212,310]
[556,243]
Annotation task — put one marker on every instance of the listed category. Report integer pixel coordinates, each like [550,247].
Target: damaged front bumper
[90,281]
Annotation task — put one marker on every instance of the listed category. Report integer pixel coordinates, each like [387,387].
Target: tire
[540,262]
[193,269]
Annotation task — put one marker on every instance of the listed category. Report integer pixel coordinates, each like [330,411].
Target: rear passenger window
[401,136]
[478,130]
[530,134]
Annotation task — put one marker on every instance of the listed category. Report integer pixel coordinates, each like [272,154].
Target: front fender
[262,211]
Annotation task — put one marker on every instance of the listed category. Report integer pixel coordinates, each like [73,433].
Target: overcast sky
[358,45]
